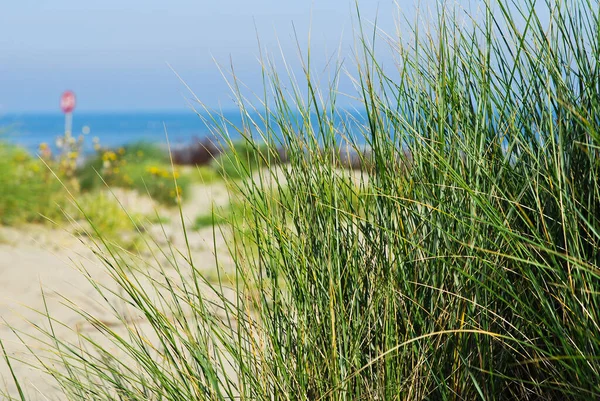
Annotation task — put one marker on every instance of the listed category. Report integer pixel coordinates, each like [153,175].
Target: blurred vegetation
[29,191]
[38,189]
[141,166]
[241,159]
[104,215]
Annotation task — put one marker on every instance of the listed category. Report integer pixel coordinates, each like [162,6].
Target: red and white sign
[67,101]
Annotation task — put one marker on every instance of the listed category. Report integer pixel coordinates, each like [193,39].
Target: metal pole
[68,123]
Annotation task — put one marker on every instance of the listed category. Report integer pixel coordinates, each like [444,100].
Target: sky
[117,55]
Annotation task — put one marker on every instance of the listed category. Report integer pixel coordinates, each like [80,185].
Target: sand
[39,260]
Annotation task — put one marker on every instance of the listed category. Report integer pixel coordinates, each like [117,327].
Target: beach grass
[240,158]
[460,263]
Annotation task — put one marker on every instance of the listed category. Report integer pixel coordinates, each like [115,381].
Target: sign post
[67,104]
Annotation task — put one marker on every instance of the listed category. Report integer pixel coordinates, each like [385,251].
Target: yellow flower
[20,157]
[153,170]
[121,151]
[109,155]
[72,155]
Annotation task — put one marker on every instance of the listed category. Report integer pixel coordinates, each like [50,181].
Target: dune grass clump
[463,264]
[468,267]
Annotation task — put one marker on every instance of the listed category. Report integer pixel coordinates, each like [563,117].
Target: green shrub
[137,151]
[29,191]
[140,166]
[205,175]
[104,214]
[156,180]
[88,174]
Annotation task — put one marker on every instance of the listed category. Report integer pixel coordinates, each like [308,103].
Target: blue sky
[114,54]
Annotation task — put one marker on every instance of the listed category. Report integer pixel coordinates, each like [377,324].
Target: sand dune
[37,261]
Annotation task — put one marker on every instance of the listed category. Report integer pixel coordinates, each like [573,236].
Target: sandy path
[38,258]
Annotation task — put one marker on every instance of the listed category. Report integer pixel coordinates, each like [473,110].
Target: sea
[111,129]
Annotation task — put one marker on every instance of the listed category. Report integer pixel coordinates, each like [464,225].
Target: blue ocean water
[117,129]
[112,129]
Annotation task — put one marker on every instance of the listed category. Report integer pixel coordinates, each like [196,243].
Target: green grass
[238,211]
[29,191]
[32,191]
[241,158]
[468,271]
[205,175]
[39,191]
[211,219]
[145,150]
[104,212]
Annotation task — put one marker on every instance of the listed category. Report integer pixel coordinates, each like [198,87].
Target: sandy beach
[39,262]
